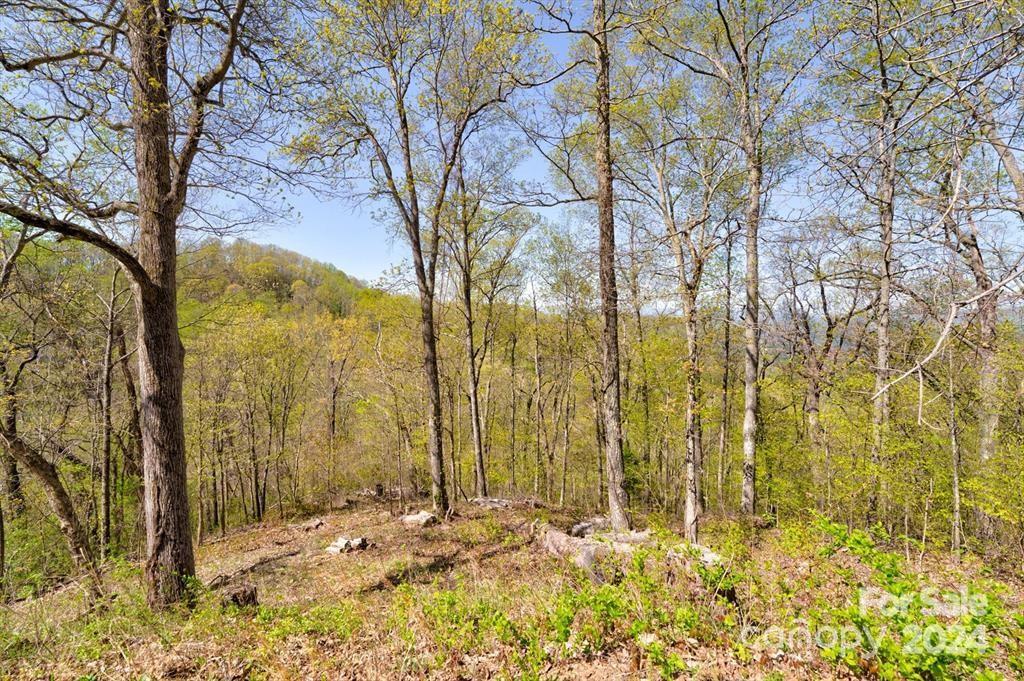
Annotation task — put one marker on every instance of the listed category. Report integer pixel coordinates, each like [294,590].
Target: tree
[133,85]
[877,93]
[618,500]
[402,91]
[25,337]
[682,172]
[482,241]
[748,49]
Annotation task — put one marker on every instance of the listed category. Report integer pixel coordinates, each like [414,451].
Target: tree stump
[241,595]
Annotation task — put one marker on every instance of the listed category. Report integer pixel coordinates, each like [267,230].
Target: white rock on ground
[344,545]
[491,502]
[419,519]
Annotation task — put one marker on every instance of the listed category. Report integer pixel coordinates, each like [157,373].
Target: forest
[708,328]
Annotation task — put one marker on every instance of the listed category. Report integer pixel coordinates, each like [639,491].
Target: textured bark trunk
[439,492]
[170,562]
[751,326]
[618,500]
[886,207]
[723,429]
[694,454]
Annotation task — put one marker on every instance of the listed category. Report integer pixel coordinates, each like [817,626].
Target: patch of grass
[479,531]
[281,622]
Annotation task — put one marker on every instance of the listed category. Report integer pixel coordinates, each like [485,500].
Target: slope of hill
[478,597]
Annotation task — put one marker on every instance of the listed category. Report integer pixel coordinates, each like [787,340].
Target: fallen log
[589,551]
[491,502]
[590,526]
[222,580]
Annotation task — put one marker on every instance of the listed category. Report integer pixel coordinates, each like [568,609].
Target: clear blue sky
[335,232]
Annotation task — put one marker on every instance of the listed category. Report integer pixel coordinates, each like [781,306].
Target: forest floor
[478,597]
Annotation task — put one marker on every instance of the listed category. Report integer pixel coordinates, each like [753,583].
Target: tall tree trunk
[691,496]
[641,341]
[538,400]
[988,369]
[513,488]
[170,561]
[435,452]
[618,500]
[565,443]
[106,393]
[956,537]
[751,323]
[723,430]
[886,149]
[474,374]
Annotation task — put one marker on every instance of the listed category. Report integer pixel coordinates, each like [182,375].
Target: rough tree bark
[723,429]
[466,286]
[751,328]
[618,500]
[169,558]
[886,150]
[694,453]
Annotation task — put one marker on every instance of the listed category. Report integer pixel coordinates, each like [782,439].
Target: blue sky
[336,232]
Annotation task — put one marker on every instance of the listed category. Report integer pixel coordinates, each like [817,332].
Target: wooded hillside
[672,265]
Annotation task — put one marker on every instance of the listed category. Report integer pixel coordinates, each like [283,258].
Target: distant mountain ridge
[215,267]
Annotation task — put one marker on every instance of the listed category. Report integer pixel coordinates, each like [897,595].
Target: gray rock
[491,502]
[344,545]
[419,519]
